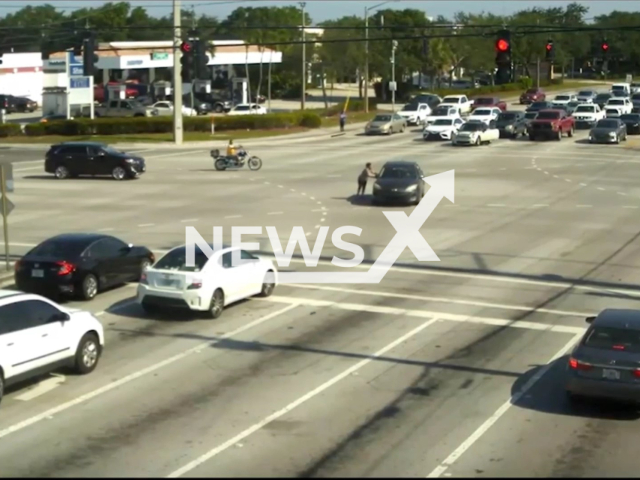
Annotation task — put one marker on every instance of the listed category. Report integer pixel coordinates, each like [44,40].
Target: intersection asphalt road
[450,368]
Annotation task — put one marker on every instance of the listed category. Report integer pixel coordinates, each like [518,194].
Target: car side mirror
[60,317]
[590,320]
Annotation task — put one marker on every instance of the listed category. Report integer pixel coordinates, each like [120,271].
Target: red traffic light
[502,45]
[185,47]
[549,46]
[605,46]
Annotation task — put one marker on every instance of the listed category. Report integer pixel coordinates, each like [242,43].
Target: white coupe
[166,108]
[485,115]
[207,286]
[475,133]
[248,109]
[442,129]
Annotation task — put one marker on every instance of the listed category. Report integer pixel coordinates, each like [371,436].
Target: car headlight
[411,188]
[509,127]
[612,134]
[130,160]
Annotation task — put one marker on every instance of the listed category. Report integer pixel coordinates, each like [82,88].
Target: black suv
[71,159]
[8,103]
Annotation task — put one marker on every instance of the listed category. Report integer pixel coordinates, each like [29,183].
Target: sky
[321,10]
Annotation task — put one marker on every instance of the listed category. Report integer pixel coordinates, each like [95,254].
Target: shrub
[10,129]
[133,125]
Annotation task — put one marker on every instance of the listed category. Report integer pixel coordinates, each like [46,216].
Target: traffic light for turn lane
[201,60]
[503,57]
[605,48]
[186,48]
[550,53]
[89,56]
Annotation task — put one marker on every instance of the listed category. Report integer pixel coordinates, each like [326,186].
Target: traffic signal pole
[177,75]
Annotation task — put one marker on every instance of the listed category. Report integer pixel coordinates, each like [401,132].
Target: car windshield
[607,124]
[472,127]
[382,118]
[135,104]
[176,259]
[412,107]
[530,115]
[482,112]
[112,151]
[69,248]
[443,121]
[562,97]
[585,93]
[484,101]
[573,104]
[603,96]
[585,109]
[507,116]
[397,172]
[532,90]
[440,112]
[618,88]
[635,96]
[630,117]
[548,115]
[539,104]
[451,100]
[615,101]
[241,108]
[611,338]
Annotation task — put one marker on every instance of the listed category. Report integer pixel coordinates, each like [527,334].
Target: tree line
[32,26]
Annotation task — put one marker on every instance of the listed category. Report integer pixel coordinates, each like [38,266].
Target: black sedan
[71,159]
[399,182]
[606,362]
[80,264]
[537,106]
[632,122]
[602,99]
[609,130]
[511,124]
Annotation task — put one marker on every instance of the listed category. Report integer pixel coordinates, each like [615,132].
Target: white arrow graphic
[407,235]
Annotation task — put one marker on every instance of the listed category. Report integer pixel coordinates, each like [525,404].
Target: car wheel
[478,142]
[571,132]
[89,288]
[87,354]
[559,137]
[268,285]
[62,172]
[217,304]
[118,173]
[617,139]
[218,109]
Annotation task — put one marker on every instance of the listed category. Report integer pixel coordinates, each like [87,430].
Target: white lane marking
[175,154]
[496,205]
[317,210]
[293,189]
[189,220]
[280,186]
[546,173]
[106,230]
[622,193]
[303,194]
[497,306]
[308,233]
[322,219]
[583,184]
[556,176]
[311,198]
[275,213]
[319,203]
[484,428]
[27,169]
[317,226]
[124,380]
[42,388]
[146,225]
[502,169]
[450,317]
[267,183]
[324,213]
[233,216]
[584,206]
[567,180]
[601,189]
[306,397]
[541,205]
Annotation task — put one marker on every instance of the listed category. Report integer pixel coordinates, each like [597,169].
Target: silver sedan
[386,124]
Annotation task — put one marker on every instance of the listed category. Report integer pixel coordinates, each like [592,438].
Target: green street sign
[159,56]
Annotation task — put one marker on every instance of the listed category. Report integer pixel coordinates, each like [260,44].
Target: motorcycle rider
[231,150]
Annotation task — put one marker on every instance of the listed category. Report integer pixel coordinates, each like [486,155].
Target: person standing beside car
[363,177]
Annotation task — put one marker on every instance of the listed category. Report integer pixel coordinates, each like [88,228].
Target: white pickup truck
[622,105]
[415,113]
[587,115]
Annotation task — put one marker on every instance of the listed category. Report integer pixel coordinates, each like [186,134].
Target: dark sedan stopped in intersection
[72,159]
[632,122]
[399,182]
[511,124]
[609,130]
[80,264]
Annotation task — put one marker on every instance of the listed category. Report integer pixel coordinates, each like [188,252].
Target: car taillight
[577,365]
[618,347]
[152,258]
[195,285]
[143,279]
[636,373]
[17,266]
[65,268]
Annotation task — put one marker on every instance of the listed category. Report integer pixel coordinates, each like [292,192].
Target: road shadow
[548,396]
[52,177]
[582,141]
[357,200]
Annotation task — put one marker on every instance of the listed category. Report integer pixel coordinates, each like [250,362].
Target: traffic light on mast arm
[605,48]
[186,48]
[503,57]
[89,56]
[550,53]
[201,60]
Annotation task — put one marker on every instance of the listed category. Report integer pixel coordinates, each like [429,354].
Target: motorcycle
[223,162]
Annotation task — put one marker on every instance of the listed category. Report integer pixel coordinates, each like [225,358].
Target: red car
[486,102]
[533,95]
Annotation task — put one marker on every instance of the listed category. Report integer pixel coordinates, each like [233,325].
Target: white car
[39,336]
[442,129]
[461,102]
[564,99]
[635,87]
[415,113]
[166,108]
[208,286]
[440,113]
[587,114]
[475,133]
[248,109]
[486,115]
[622,105]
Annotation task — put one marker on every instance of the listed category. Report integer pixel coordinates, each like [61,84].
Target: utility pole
[366,60]
[177,76]
[304,57]
[538,72]
[394,45]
